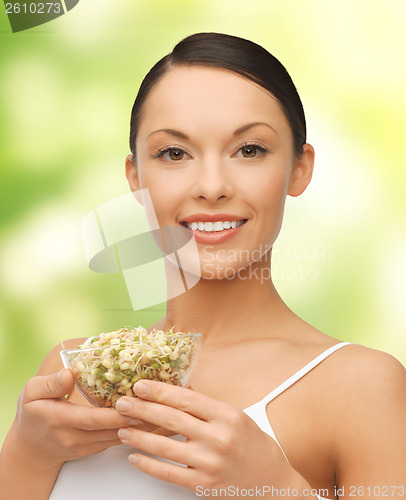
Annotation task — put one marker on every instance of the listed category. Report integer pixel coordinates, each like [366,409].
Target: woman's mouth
[216,226]
[213,231]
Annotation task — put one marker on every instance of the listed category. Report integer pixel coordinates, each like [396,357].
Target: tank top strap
[301,373]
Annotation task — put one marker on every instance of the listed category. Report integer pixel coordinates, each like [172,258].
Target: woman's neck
[229,310]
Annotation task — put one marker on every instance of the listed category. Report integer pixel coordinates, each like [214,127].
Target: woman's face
[215,150]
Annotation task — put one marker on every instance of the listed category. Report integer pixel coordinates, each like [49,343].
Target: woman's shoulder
[366,383]
[353,365]
[52,362]
[360,365]
[367,405]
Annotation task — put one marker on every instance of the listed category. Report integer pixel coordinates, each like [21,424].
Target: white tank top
[109,474]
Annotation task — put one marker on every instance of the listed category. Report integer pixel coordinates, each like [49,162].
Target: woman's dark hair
[235,54]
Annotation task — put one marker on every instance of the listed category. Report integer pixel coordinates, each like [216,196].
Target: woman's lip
[213,237]
[211,218]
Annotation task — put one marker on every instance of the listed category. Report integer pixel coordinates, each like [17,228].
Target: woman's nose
[213,181]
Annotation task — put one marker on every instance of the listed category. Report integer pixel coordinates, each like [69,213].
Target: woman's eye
[171,154]
[251,150]
[176,154]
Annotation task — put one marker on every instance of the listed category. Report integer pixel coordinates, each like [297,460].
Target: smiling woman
[278,408]
[235,138]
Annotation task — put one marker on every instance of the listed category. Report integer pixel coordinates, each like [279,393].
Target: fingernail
[124,434]
[133,459]
[59,379]
[123,405]
[141,389]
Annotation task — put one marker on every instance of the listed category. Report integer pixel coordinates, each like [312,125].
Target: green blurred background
[67,88]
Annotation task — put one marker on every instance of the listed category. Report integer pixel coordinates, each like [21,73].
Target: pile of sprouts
[107,367]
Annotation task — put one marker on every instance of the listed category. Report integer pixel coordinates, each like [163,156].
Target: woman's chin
[221,271]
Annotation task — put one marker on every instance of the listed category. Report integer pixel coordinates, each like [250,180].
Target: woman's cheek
[272,206]
[162,201]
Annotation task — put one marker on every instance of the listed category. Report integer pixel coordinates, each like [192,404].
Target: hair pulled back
[235,54]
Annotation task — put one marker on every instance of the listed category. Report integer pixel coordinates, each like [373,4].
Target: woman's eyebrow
[171,131]
[239,130]
[244,128]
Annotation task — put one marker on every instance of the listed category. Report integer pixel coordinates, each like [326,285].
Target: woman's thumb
[63,384]
[52,386]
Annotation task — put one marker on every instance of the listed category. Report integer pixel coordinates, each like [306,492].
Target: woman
[218,139]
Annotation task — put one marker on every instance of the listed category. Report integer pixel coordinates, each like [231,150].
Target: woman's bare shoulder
[367,381]
[357,382]
[366,365]
[366,371]
[53,362]
[369,409]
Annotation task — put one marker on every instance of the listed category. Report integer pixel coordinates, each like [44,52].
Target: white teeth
[213,226]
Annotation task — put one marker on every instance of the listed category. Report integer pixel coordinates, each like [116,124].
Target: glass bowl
[107,367]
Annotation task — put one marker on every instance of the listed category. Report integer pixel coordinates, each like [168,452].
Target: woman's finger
[162,432]
[98,418]
[161,415]
[76,443]
[88,418]
[97,436]
[161,446]
[187,477]
[194,403]
[96,447]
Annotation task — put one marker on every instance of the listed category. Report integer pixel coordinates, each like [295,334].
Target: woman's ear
[131,172]
[302,171]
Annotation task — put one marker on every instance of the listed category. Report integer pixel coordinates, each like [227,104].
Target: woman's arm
[370,441]
[24,472]
[48,430]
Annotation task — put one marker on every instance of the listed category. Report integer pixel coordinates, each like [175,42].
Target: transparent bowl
[106,368]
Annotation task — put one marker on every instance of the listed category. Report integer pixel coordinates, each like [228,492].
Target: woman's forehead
[195,95]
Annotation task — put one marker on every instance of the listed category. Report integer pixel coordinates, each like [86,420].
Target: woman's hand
[224,446]
[55,430]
